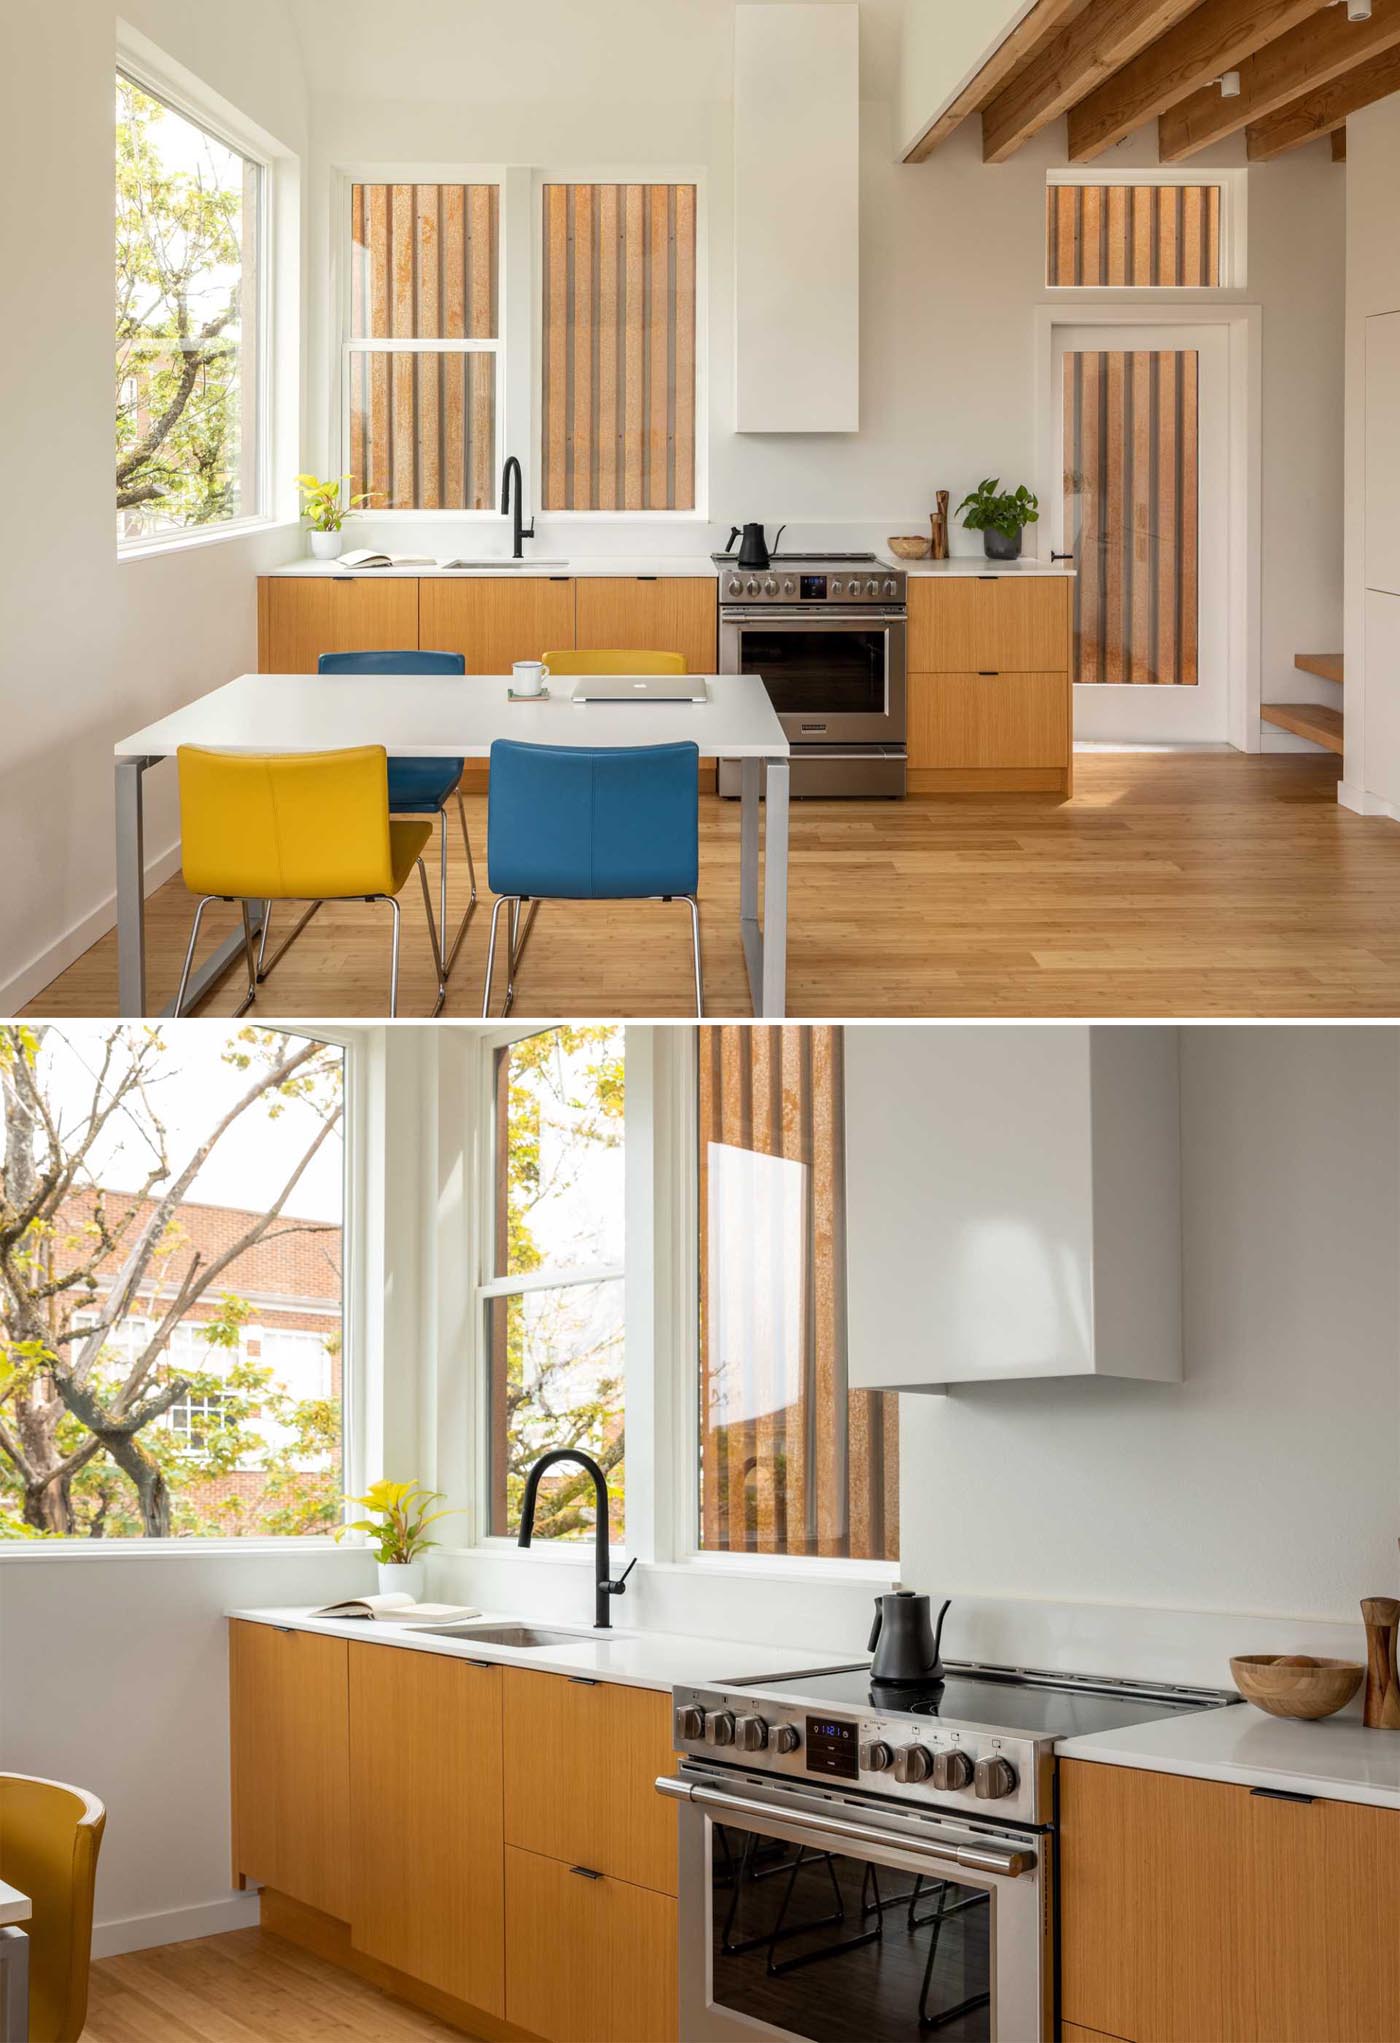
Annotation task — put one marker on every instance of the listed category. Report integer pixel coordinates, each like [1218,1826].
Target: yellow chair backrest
[611,660]
[298,827]
[49,1839]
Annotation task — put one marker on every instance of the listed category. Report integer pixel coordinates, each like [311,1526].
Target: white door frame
[1244,324]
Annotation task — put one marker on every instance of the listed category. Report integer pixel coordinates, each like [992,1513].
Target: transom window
[1155,232]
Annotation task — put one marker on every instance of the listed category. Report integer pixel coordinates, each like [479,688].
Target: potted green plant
[397,1525]
[321,505]
[1000,516]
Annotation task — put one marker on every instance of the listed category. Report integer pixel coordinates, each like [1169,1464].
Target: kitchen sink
[521,1635]
[494,564]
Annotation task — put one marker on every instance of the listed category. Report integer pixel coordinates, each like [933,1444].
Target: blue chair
[568,824]
[421,787]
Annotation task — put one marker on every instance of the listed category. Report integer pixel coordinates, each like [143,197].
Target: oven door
[835,677]
[807,1916]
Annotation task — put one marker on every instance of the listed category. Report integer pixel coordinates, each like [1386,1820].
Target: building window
[618,347]
[791,1461]
[190,283]
[421,371]
[170,1312]
[1147,234]
[554,1304]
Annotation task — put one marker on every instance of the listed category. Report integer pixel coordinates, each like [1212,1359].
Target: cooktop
[1033,1709]
[729,559]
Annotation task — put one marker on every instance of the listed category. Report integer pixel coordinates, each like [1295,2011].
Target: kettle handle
[879,1620]
[733,535]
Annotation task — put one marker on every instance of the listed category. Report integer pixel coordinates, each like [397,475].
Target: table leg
[131,889]
[773,996]
[750,782]
[14,1985]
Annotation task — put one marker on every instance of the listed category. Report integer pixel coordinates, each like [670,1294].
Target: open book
[366,557]
[399,1608]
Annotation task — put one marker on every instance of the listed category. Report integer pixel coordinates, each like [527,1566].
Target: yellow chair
[609,660]
[49,1840]
[307,826]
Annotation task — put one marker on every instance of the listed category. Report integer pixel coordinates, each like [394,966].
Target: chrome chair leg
[265,970]
[694,907]
[433,938]
[251,955]
[262,940]
[520,927]
[189,951]
[450,955]
[467,844]
[497,906]
[394,956]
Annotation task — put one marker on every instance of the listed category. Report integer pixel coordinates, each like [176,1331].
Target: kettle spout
[938,1634]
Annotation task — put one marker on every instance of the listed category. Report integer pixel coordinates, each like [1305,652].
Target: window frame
[1233,186]
[139,63]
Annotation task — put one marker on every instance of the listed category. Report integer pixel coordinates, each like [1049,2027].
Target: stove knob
[733,587]
[952,1770]
[690,1721]
[835,588]
[892,588]
[872,588]
[770,587]
[876,1758]
[750,1734]
[789,586]
[751,587]
[995,1778]
[912,1763]
[720,1730]
[786,1738]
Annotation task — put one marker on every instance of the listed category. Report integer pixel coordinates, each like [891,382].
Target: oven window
[822,672]
[841,1950]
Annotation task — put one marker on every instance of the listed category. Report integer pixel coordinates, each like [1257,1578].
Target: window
[1150,233]
[618,326]
[189,290]
[791,1461]
[421,357]
[555,1301]
[170,1316]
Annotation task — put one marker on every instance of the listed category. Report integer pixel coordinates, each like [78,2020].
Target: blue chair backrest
[614,824]
[409,662]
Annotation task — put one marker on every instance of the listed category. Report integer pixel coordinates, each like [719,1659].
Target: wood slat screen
[1156,236]
[1131,439]
[424,268]
[619,347]
[805,1465]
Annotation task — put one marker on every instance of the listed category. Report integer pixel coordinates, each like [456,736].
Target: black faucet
[604,1585]
[517,531]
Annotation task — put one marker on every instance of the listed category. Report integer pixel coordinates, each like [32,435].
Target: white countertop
[976,566]
[635,1659]
[1336,1758]
[698,565]
[14,1906]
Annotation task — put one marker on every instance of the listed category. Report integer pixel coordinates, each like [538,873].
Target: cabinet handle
[648,578]
[582,1680]
[1283,1795]
[988,673]
[988,578]
[585,1872]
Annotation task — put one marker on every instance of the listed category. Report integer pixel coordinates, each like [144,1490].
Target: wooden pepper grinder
[939,525]
[1381,1710]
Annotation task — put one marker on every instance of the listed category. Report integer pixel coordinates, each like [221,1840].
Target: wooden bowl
[912,548]
[1295,1684]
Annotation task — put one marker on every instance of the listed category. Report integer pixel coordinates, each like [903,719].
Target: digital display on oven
[832,1747]
[813,588]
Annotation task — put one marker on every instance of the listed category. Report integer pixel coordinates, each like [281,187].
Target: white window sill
[555,1553]
[738,1567]
[209,535]
[30,1550]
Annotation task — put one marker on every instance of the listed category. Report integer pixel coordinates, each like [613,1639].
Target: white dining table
[15,1911]
[453,716]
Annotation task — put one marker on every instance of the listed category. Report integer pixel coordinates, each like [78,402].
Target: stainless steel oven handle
[974,1858]
[809,620]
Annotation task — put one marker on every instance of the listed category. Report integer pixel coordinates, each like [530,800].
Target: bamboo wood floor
[1188,884]
[246,1987]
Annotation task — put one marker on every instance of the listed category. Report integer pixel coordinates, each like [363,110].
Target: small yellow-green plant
[321,501]
[399,1521]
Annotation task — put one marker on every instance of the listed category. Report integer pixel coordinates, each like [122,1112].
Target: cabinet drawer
[299,618]
[581,1761]
[968,623]
[496,620]
[671,614]
[985,720]
[587,1960]
[291,1770]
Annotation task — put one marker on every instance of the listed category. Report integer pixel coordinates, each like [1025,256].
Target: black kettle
[904,1641]
[753,547]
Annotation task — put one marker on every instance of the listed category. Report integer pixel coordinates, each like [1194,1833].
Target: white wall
[92,648]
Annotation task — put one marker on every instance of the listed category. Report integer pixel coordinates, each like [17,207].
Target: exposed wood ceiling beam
[1307,58]
[1324,111]
[1217,37]
[1016,49]
[1088,49]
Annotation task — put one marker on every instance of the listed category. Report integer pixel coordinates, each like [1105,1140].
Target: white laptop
[642,688]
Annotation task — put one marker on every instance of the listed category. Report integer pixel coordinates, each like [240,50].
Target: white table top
[1337,1758]
[451,716]
[14,1906]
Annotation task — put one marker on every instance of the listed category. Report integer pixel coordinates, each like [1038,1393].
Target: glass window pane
[425,262]
[1145,235]
[423,430]
[556,1381]
[187,264]
[559,1150]
[216,1323]
[792,1462]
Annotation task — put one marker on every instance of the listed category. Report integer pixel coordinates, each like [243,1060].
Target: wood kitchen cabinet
[989,720]
[289,1750]
[494,620]
[652,613]
[589,1959]
[426,1873]
[1194,1909]
[302,616]
[990,699]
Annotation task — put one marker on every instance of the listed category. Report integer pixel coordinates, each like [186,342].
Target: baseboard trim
[174,1925]
[30,981]
[1362,803]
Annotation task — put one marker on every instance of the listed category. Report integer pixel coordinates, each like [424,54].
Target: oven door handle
[813,619]
[1009,1863]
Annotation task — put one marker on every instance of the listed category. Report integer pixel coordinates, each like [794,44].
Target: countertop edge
[687,567]
[1233,1774]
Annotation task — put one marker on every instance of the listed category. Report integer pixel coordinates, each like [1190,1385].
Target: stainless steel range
[828,634]
[872,1865]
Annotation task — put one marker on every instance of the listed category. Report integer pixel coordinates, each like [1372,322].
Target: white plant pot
[404,1578]
[325,545]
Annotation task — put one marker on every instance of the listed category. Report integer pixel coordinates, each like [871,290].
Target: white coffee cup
[528,677]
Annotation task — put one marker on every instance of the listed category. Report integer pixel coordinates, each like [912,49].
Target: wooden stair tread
[1307,720]
[1328,666]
